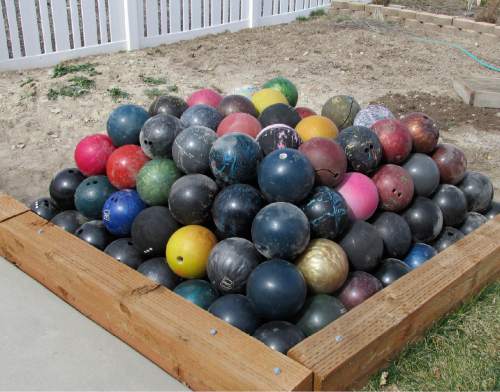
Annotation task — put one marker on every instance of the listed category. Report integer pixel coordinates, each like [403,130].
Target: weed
[152,80]
[79,85]
[153,93]
[317,13]
[64,69]
[26,82]
[117,93]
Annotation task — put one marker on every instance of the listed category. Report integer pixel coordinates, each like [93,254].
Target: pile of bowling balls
[274,218]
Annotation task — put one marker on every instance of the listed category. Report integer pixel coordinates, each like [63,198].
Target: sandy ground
[373,61]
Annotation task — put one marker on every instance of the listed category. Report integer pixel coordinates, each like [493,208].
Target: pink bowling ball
[360,194]
[239,122]
[92,153]
[205,96]
[304,112]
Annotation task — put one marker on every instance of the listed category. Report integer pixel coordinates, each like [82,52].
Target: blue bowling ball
[198,291]
[120,210]
[419,254]
[125,123]
[203,115]
[91,195]
[236,309]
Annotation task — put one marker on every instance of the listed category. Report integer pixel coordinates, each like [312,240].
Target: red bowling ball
[92,153]
[359,287]
[395,139]
[360,194]
[423,130]
[304,112]
[205,96]
[124,164]
[239,122]
[395,187]
[451,162]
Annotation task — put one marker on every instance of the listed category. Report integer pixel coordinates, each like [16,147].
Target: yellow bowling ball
[316,126]
[267,97]
[188,250]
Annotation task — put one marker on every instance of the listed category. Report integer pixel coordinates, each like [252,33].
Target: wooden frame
[208,354]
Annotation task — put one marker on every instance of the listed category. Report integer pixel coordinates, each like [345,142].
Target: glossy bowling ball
[360,194]
[158,271]
[277,289]
[168,104]
[316,126]
[363,245]
[419,254]
[155,179]
[395,139]
[327,212]
[205,96]
[188,250]
[304,112]
[266,97]
[280,230]
[201,115]
[472,221]
[493,210]
[124,251]
[198,292]
[279,113]
[362,148]
[92,153]
[63,187]
[234,158]
[424,132]
[319,311]
[191,198]
[158,134]
[451,162]
[94,233]
[446,238]
[280,336]
[239,122]
[236,309]
[395,187]
[371,114]
[395,233]
[124,164]
[284,86]
[91,195]
[478,191]
[277,136]
[125,123]
[236,104]
[44,207]
[230,263]
[424,172]
[341,109]
[324,266]
[120,210]
[358,288]
[191,148]
[391,270]
[424,218]
[151,230]
[452,203]
[234,209]
[285,175]
[69,220]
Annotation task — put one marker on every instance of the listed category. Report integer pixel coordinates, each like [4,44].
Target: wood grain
[480,91]
[10,207]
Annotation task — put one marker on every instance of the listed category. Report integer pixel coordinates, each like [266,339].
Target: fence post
[255,7]
[131,24]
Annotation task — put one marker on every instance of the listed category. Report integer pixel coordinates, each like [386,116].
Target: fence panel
[75,23]
[175,16]
[4,49]
[89,22]
[116,20]
[60,21]
[152,23]
[196,14]
[163,16]
[31,38]
[185,15]
[234,10]
[103,21]
[13,28]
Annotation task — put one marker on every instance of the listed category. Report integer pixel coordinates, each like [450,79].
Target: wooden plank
[103,21]
[13,28]
[479,92]
[175,16]
[344,354]
[89,21]
[4,50]
[196,16]
[216,12]
[152,23]
[31,38]
[45,22]
[10,207]
[60,21]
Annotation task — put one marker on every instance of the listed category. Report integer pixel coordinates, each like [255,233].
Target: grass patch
[313,15]
[172,89]
[153,93]
[302,18]
[117,93]
[26,82]
[78,86]
[152,80]
[64,69]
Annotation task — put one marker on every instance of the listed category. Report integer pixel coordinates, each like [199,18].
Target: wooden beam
[10,207]
[479,91]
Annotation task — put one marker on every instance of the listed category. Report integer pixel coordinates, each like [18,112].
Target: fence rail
[38,33]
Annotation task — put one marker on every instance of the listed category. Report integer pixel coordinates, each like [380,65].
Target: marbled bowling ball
[277,136]
[371,114]
[341,109]
[168,104]
[424,132]
[236,104]
[451,162]
[203,115]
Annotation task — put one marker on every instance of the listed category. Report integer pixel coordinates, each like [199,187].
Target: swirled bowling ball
[237,104]
[201,115]
[493,210]
[69,220]
[92,153]
[360,194]
[371,114]
[124,251]
[363,245]
[63,187]
[280,336]
[319,311]
[424,172]
[304,112]
[191,149]
[279,113]
[478,191]
[447,237]
[168,104]
[395,187]
[391,270]
[395,139]
[362,148]
[453,204]
[120,210]
[316,126]
[239,122]
[197,291]
[472,221]
[424,132]
[125,123]
[124,164]
[266,97]
[419,254]
[341,109]
[94,233]
[158,271]
[237,310]
[205,96]
[451,162]
[395,233]
[358,288]
[284,86]
[158,134]
[91,195]
[44,207]
[277,136]
[424,218]
[155,179]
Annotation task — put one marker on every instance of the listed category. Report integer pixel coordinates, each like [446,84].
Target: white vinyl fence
[38,33]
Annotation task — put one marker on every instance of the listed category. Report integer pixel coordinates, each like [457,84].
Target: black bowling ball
[362,148]
[478,190]
[452,203]
[63,186]
[124,251]
[44,207]
[424,172]
[472,221]
[191,149]
[280,336]
[395,233]
[158,271]
[493,210]
[95,234]
[363,245]
[203,115]
[391,270]
[279,113]
[236,309]
[425,219]
[168,104]
[446,238]
[69,220]
[319,311]
[158,134]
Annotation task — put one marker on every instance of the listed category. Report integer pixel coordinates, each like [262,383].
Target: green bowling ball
[155,180]
[91,195]
[319,311]
[341,109]
[197,291]
[285,87]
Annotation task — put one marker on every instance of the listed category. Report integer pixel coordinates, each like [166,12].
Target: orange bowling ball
[316,126]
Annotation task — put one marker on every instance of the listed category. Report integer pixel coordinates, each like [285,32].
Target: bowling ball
[155,180]
[418,255]
[277,136]
[120,210]
[447,237]
[236,309]
[285,175]
[493,210]
[94,233]
[360,194]
[91,195]
[92,153]
[362,148]
[191,198]
[191,148]
[319,311]
[69,220]
[239,122]
[284,86]
[395,187]
[327,158]
[451,162]
[452,203]
[395,139]
[424,172]
[304,112]
[205,96]
[341,109]
[158,134]
[124,251]
[363,245]
[279,113]
[188,250]
[277,289]
[234,209]
[324,266]
[230,263]
[395,233]
[371,114]
[358,288]
[168,104]
[316,126]
[327,212]
[472,221]
[424,218]
[246,90]
[201,115]
[280,336]
[280,230]
[158,271]
[44,207]
[125,123]
[151,230]
[63,187]
[197,291]
[236,104]
[267,97]
[478,191]
[124,164]
[391,270]
[424,132]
